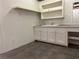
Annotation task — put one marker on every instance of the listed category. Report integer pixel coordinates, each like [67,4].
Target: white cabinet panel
[61,37]
[37,33]
[44,34]
[51,35]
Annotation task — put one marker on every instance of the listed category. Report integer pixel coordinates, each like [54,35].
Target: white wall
[28,4]
[0,10]
[17,29]
[76,14]
[16,25]
[68,12]
[7,5]
[76,0]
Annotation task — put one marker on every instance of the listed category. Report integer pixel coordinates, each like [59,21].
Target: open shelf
[52,17]
[52,5]
[76,42]
[76,38]
[73,37]
[76,5]
[52,14]
[50,2]
[53,9]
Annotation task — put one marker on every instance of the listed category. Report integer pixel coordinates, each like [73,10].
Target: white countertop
[59,26]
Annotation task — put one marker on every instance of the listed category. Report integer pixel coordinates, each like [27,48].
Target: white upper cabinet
[51,9]
[28,4]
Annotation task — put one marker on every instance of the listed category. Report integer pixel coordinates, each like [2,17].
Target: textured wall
[17,29]
[16,25]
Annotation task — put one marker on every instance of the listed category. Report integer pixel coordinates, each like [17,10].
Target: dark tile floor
[39,50]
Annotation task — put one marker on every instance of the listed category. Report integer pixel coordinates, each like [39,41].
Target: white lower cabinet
[44,34]
[37,33]
[51,35]
[61,36]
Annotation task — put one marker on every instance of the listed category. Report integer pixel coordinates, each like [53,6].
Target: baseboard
[50,43]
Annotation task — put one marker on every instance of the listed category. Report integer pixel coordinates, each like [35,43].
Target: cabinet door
[61,37]
[51,35]
[37,34]
[44,34]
